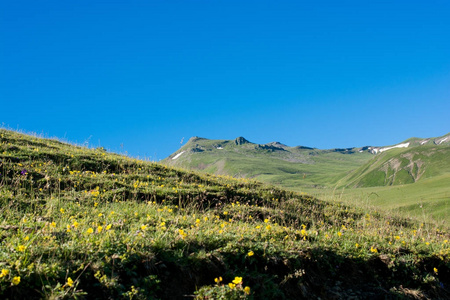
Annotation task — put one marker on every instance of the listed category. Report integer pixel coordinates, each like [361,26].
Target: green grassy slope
[426,199]
[273,163]
[401,166]
[77,222]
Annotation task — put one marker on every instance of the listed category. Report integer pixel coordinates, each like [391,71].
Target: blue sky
[139,76]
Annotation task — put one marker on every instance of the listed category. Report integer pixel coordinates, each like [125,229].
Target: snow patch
[219,148]
[405,145]
[178,155]
[423,142]
[441,141]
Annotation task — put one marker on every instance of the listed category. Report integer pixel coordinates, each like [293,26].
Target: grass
[85,223]
[426,199]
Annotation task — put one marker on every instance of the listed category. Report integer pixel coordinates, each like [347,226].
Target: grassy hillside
[401,166]
[273,163]
[426,199]
[84,223]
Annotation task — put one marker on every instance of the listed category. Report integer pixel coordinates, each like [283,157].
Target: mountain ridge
[277,163]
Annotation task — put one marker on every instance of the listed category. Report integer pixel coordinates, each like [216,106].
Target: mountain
[301,166]
[273,162]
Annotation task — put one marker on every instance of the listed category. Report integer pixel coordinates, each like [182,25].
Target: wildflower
[21,248]
[197,221]
[237,280]
[266,220]
[4,273]
[90,231]
[303,232]
[225,213]
[435,270]
[217,280]
[69,282]
[231,285]
[16,280]
[53,224]
[75,224]
[339,233]
[99,229]
[356,245]
[62,210]
[373,250]
[100,214]
[247,290]
[24,172]
[108,227]
[250,253]
[143,227]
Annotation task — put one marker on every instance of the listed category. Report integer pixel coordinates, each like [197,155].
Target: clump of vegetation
[85,223]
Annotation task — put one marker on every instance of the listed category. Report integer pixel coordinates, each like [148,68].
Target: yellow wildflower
[435,270]
[21,248]
[374,250]
[237,280]
[90,231]
[217,280]
[247,290]
[99,229]
[231,285]
[16,280]
[69,282]
[108,227]
[4,273]
[62,210]
[144,227]
[250,253]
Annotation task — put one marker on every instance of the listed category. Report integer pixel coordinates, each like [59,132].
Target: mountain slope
[421,159]
[88,224]
[294,167]
[274,162]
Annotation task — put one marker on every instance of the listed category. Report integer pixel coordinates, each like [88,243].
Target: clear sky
[139,76]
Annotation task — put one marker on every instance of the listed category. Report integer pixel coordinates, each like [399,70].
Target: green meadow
[79,223]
